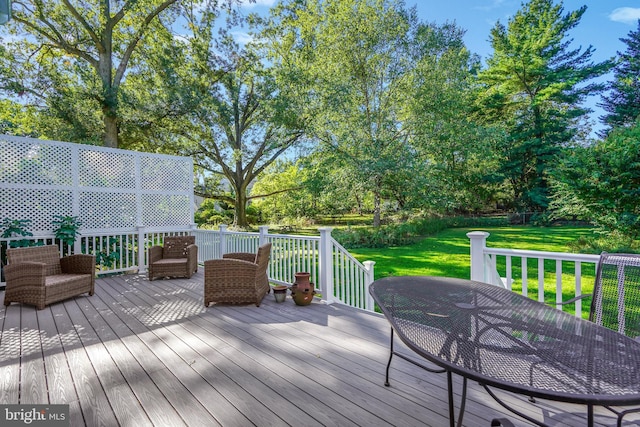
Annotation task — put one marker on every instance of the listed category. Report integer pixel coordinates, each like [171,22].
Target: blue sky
[601,26]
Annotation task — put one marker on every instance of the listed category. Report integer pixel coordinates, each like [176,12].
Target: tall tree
[622,103]
[455,151]
[354,55]
[223,106]
[534,85]
[71,55]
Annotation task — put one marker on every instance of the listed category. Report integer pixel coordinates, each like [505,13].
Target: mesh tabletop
[503,339]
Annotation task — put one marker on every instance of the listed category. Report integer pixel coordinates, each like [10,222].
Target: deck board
[149,353]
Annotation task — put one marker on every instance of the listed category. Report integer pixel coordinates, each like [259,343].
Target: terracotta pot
[302,290]
[302,281]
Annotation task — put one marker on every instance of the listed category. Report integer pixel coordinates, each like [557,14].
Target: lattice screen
[106,188]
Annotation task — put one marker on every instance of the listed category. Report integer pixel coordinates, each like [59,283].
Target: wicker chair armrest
[244,256]
[27,272]
[192,257]
[78,264]
[155,254]
[192,250]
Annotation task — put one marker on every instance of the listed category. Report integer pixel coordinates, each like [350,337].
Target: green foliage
[533,89]
[621,102]
[66,228]
[601,183]
[19,120]
[17,228]
[107,251]
[367,108]
[71,60]
[399,233]
[211,212]
[610,242]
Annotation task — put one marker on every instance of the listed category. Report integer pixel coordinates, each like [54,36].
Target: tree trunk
[110,130]
[376,208]
[240,212]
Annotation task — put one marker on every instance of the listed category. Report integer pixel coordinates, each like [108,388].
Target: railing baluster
[523,264]
[578,274]
[541,279]
[509,277]
[559,298]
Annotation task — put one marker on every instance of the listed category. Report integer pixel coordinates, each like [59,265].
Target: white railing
[115,251]
[509,267]
[338,276]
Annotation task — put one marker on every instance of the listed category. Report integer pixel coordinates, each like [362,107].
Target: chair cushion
[69,279]
[171,261]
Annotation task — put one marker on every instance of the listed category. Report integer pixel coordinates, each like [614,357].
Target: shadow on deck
[149,353]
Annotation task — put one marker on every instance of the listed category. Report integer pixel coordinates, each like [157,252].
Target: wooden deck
[148,353]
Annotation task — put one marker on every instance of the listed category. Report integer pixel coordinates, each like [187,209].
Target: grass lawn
[447,253]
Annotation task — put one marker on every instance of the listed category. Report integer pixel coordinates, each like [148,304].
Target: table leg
[386,380]
[452,418]
[463,400]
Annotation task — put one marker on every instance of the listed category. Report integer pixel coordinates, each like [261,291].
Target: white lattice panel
[105,188]
[106,169]
[29,161]
[38,205]
[162,173]
[107,210]
[164,210]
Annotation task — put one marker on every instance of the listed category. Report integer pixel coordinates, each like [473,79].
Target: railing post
[326,265]
[264,231]
[478,244]
[368,299]
[77,245]
[223,239]
[142,265]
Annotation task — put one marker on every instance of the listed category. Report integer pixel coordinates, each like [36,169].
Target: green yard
[447,254]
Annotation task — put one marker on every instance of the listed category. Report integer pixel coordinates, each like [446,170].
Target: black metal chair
[616,294]
[616,300]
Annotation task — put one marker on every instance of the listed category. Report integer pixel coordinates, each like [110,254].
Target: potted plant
[66,229]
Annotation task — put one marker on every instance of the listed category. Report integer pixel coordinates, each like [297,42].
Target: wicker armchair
[178,258]
[38,276]
[237,278]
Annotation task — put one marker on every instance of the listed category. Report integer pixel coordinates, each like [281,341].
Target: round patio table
[504,340]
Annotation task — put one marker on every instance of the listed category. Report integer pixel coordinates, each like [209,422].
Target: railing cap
[478,234]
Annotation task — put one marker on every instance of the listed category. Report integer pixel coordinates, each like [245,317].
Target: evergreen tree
[534,86]
[623,102]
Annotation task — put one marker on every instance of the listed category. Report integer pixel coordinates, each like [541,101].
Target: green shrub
[612,242]
[403,233]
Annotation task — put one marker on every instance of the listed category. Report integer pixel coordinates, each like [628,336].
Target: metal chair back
[616,294]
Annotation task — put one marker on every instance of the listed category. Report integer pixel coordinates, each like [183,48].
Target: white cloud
[184,38]
[241,38]
[627,15]
[257,3]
